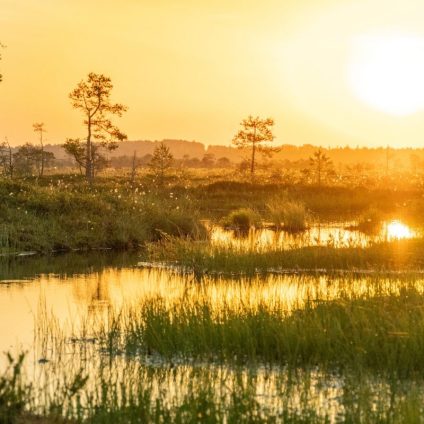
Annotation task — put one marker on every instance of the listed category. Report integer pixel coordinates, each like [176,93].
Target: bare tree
[39,128]
[255,131]
[92,97]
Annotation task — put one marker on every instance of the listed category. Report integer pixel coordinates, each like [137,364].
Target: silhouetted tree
[92,97]
[185,159]
[145,160]
[39,128]
[161,162]
[321,165]
[193,163]
[6,158]
[134,166]
[223,162]
[208,160]
[28,159]
[254,132]
[77,149]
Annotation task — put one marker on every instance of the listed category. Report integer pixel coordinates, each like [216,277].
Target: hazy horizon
[329,72]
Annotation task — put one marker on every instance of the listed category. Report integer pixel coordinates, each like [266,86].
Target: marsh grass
[204,257]
[62,212]
[370,222]
[14,393]
[348,350]
[193,394]
[287,214]
[242,220]
[379,334]
[217,199]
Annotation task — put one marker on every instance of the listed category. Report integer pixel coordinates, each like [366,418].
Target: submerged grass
[379,334]
[187,394]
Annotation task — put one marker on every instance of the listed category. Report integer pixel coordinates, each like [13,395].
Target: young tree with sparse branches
[254,133]
[321,165]
[92,98]
[39,128]
[6,158]
[161,162]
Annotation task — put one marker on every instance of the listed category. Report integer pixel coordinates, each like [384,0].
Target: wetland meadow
[160,312]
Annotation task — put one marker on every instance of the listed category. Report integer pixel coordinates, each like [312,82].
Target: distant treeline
[197,155]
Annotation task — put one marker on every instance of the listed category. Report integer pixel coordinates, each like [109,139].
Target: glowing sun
[386,71]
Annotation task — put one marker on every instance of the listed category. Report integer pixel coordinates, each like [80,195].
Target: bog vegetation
[221,342]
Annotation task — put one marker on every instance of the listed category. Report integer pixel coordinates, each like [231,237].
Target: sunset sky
[330,72]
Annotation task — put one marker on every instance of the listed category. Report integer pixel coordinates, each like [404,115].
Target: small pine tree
[254,133]
[39,128]
[160,163]
[321,165]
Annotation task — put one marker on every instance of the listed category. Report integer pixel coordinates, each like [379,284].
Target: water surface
[336,234]
[48,306]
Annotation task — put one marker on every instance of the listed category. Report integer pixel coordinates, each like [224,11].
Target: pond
[50,307]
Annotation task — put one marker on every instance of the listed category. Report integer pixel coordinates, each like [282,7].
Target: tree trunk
[252,164]
[42,155]
[89,174]
[319,172]
[134,167]
[10,161]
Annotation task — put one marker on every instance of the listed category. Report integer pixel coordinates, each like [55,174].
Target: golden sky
[330,72]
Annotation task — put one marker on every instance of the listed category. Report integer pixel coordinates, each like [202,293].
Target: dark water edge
[65,264]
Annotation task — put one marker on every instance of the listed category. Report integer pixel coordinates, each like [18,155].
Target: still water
[74,287]
[47,298]
[336,234]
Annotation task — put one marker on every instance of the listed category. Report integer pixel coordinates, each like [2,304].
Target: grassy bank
[330,202]
[68,214]
[63,212]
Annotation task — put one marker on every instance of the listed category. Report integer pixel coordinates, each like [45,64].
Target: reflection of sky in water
[336,235]
[82,299]
[68,303]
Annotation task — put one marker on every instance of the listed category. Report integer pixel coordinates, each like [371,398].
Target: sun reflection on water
[337,235]
[396,230]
